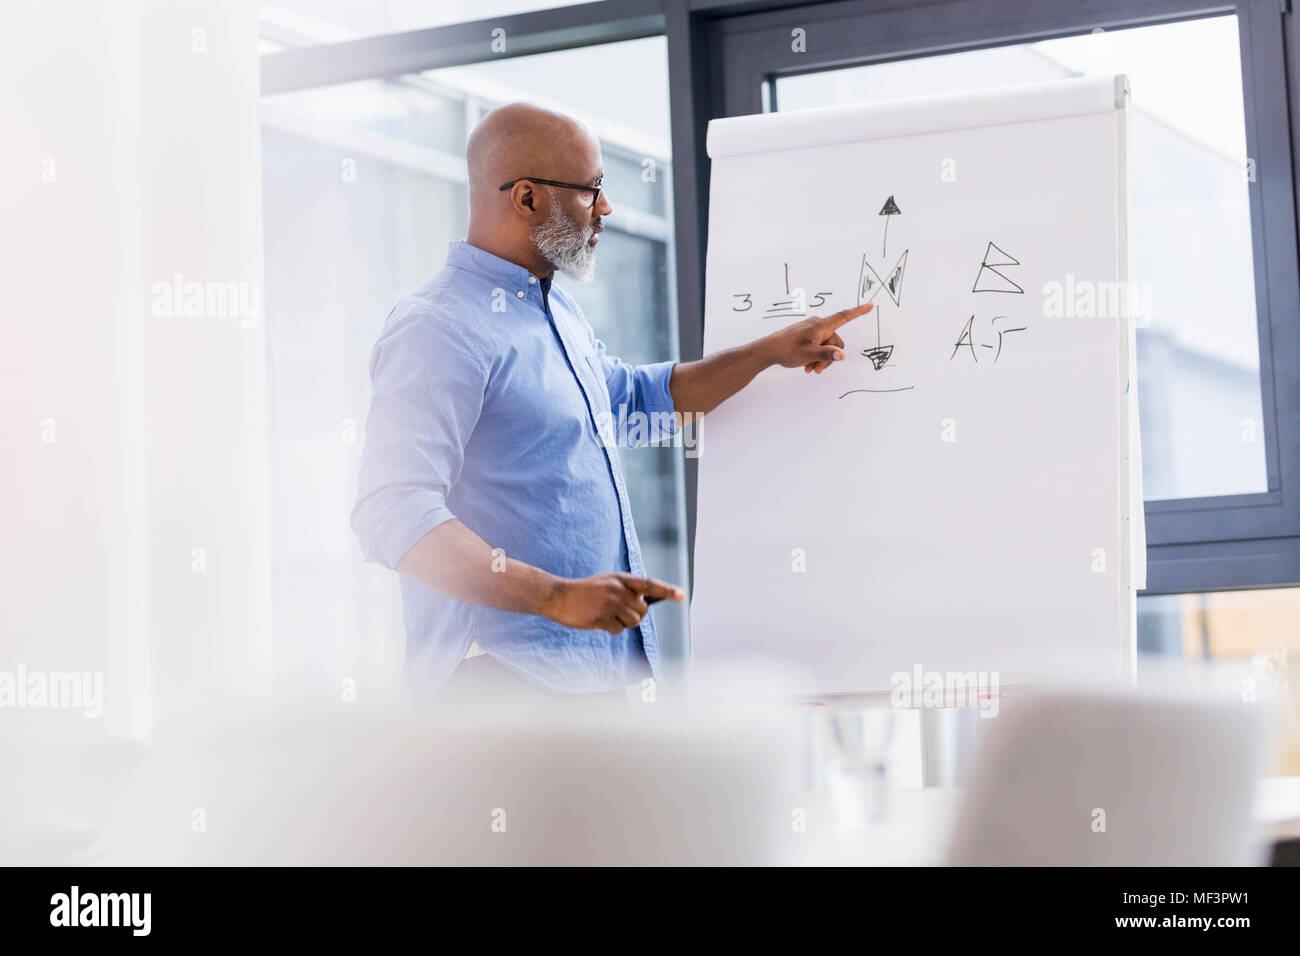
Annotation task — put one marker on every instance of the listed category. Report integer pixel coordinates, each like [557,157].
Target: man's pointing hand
[813,343]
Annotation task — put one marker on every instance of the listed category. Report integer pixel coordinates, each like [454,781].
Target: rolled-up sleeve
[428,387]
[640,389]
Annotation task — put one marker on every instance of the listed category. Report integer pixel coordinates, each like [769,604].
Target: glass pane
[1259,626]
[1198,358]
[306,22]
[364,186]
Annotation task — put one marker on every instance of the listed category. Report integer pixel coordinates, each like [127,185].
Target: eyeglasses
[593,190]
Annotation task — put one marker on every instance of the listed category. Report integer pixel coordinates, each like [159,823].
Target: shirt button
[532,279]
[520,293]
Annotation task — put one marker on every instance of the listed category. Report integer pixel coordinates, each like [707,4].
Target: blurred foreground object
[652,788]
[1116,778]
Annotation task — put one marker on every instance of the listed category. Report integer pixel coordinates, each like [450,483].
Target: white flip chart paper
[962,492]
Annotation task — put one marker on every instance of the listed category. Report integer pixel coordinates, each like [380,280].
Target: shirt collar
[473,259]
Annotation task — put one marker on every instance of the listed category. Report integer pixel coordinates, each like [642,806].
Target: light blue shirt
[495,403]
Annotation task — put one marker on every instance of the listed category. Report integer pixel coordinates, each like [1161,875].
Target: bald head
[520,139]
[543,227]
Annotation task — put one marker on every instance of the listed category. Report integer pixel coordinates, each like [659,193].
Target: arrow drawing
[890,208]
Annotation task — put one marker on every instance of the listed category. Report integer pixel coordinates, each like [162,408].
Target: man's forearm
[703,385]
[455,561]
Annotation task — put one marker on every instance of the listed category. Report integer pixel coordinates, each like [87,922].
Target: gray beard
[562,241]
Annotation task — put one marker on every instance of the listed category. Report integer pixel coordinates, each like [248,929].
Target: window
[1190,239]
[364,186]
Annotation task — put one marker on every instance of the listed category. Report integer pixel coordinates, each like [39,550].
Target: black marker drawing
[870,283]
[1002,332]
[967,338]
[890,208]
[880,354]
[869,286]
[786,309]
[794,307]
[854,391]
[989,279]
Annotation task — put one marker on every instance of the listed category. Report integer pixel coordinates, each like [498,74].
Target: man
[485,479]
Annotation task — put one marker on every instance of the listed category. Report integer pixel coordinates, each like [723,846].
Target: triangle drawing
[989,279]
[879,355]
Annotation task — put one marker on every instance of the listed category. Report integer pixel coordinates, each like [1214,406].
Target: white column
[205,353]
[135,498]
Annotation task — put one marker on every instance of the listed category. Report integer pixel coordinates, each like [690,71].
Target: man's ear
[524,195]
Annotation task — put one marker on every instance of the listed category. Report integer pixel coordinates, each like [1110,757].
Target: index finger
[649,587]
[833,322]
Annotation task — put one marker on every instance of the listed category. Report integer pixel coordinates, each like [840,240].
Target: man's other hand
[607,602]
